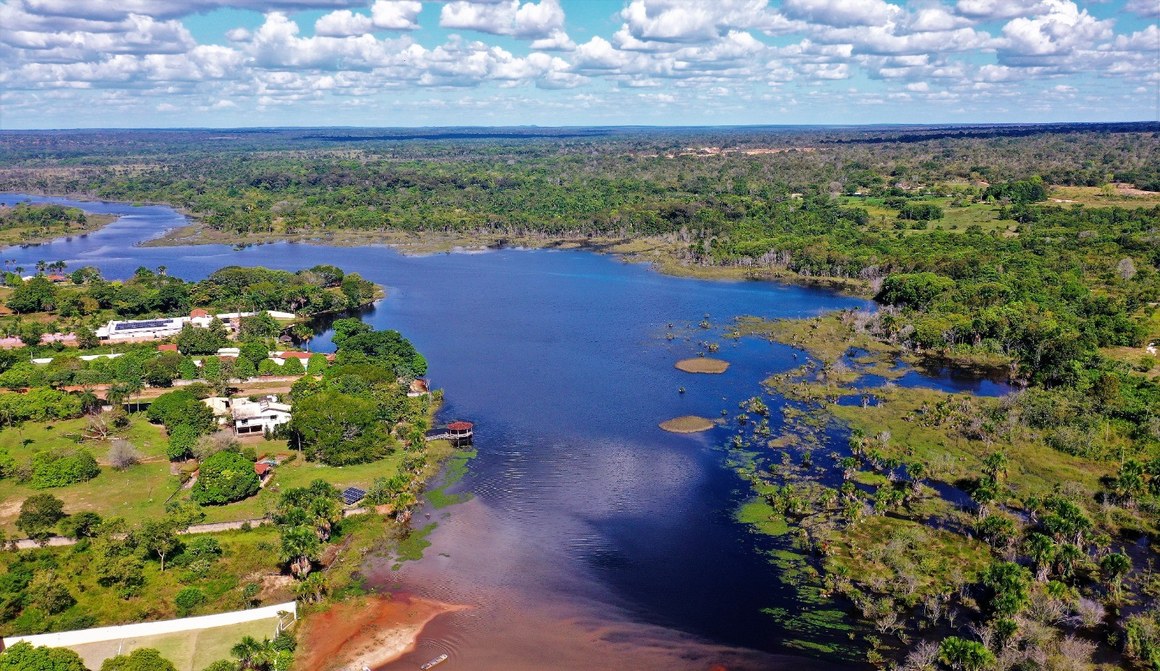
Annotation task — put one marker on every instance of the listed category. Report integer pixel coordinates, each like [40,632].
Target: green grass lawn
[138,492]
[141,491]
[189,651]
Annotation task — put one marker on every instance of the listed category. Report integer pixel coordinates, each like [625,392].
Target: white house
[250,417]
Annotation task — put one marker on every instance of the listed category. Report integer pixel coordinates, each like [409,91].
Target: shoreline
[644,249]
[368,633]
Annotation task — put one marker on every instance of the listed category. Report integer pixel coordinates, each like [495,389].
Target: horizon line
[972,124]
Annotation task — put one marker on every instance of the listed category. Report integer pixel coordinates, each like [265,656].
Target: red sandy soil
[368,632]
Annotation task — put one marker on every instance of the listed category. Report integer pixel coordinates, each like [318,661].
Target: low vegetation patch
[687,424]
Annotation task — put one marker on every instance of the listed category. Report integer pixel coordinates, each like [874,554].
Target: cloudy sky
[166,63]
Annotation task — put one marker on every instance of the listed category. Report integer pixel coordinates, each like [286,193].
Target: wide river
[592,539]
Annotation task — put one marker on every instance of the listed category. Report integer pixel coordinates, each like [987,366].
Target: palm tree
[324,513]
[249,652]
[1113,568]
[996,464]
[1042,550]
[1129,484]
[303,334]
[916,472]
[1068,557]
[300,547]
[986,493]
[967,655]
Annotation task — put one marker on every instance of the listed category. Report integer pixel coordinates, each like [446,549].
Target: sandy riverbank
[367,633]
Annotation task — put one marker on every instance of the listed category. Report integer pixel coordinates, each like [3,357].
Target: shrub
[317,364]
[189,599]
[122,454]
[225,477]
[293,367]
[62,467]
[24,657]
[39,514]
[141,659]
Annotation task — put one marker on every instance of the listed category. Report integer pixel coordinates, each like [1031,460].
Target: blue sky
[227,63]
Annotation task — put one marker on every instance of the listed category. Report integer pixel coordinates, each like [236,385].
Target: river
[591,539]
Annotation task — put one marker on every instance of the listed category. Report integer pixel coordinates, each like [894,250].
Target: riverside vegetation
[924,530]
[102,452]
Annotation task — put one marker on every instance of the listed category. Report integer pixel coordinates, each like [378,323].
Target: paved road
[61,541]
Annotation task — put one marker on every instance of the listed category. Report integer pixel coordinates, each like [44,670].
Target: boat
[433,663]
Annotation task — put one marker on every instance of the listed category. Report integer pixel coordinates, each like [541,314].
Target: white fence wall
[63,639]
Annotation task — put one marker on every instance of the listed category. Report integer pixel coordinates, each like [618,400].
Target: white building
[250,417]
[167,327]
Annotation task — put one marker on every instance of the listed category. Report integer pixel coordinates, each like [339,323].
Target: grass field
[141,491]
[189,651]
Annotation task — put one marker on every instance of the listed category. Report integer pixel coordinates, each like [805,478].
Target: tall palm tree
[300,547]
[1042,550]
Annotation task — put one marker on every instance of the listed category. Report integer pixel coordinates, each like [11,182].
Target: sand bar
[702,364]
[688,424]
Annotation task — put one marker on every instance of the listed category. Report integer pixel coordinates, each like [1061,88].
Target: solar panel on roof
[130,326]
[352,495]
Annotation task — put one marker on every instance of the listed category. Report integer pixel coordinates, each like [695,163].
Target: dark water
[593,538]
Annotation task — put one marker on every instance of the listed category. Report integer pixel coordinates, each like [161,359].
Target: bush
[189,599]
[39,514]
[268,367]
[141,659]
[317,364]
[62,467]
[293,367]
[122,454]
[24,657]
[225,477]
[80,525]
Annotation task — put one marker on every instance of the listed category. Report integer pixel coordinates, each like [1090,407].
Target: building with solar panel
[147,329]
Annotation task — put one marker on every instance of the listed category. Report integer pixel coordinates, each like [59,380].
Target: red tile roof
[167,348]
[261,469]
[460,426]
[198,312]
[295,355]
